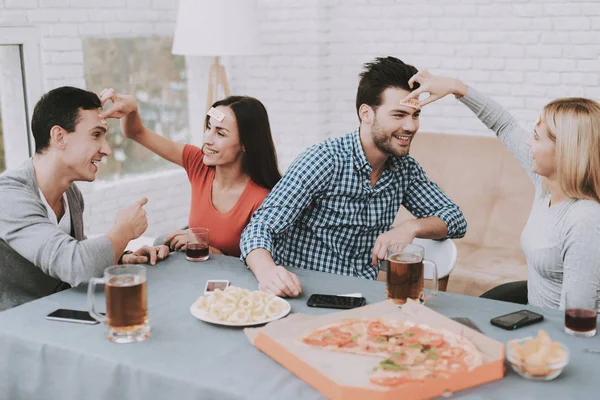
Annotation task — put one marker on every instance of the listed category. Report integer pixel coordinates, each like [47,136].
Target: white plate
[203,316]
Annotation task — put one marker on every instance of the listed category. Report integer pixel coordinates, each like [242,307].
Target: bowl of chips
[539,358]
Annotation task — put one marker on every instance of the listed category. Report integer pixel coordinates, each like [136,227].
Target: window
[14,143]
[146,69]
[2,159]
[20,88]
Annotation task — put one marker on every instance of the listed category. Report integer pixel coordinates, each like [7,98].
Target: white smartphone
[80,317]
[213,284]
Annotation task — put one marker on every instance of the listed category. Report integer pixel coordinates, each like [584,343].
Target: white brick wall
[522,52]
[168,196]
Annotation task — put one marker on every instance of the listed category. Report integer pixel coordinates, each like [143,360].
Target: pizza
[412,352]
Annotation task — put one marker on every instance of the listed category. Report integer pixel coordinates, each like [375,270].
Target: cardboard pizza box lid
[346,376]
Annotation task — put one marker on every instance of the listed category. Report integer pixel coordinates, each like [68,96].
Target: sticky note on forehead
[412,103]
[216,114]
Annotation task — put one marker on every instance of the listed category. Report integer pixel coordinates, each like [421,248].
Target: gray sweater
[561,242]
[36,257]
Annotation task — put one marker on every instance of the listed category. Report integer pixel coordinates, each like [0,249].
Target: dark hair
[60,107]
[259,160]
[380,74]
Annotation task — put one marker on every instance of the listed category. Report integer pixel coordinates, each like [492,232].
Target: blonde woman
[561,239]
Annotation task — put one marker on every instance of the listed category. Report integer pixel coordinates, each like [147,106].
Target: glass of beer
[581,312]
[126,303]
[197,244]
[406,273]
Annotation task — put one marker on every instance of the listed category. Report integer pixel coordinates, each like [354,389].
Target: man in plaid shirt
[333,209]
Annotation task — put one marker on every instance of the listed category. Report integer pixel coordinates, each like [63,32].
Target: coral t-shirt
[225,229]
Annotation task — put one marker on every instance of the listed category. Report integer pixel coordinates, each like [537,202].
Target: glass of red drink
[197,244]
[581,312]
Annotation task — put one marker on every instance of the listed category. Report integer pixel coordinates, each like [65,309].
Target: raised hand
[133,219]
[121,104]
[437,87]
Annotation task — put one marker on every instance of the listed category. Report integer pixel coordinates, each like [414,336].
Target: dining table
[186,358]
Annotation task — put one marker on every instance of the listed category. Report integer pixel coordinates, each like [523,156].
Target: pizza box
[346,376]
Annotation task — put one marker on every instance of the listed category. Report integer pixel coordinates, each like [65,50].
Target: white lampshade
[216,28]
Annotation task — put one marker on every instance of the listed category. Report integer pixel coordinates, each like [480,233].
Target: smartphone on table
[77,316]
[517,319]
[333,301]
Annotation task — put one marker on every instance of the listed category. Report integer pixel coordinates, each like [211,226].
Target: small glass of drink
[406,273]
[126,303]
[197,244]
[581,312]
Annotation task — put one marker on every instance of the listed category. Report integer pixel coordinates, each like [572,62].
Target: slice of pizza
[340,335]
[360,336]
[390,373]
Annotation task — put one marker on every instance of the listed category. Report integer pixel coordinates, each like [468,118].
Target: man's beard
[383,141]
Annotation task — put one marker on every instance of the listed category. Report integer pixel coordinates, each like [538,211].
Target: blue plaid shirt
[324,215]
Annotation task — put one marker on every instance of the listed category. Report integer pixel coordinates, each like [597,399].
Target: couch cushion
[483,178]
[479,269]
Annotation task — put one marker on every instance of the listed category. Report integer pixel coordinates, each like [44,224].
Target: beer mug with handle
[406,273]
[126,303]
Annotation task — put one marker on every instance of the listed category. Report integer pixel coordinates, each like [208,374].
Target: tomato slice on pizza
[332,337]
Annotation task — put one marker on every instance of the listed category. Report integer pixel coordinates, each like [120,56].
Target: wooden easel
[216,78]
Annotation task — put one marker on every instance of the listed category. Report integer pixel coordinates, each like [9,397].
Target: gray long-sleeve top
[36,257]
[561,242]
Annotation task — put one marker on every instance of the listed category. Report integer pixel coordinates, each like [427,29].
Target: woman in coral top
[230,175]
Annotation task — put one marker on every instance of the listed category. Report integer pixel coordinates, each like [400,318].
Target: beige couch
[494,193]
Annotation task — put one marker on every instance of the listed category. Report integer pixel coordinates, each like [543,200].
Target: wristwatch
[124,253]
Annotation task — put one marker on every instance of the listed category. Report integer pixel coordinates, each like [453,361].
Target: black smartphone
[333,301]
[81,317]
[517,319]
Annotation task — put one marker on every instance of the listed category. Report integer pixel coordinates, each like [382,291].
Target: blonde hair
[574,126]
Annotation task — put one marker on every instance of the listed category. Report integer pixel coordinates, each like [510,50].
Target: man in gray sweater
[42,245]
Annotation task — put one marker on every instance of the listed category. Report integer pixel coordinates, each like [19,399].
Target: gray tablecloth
[189,359]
